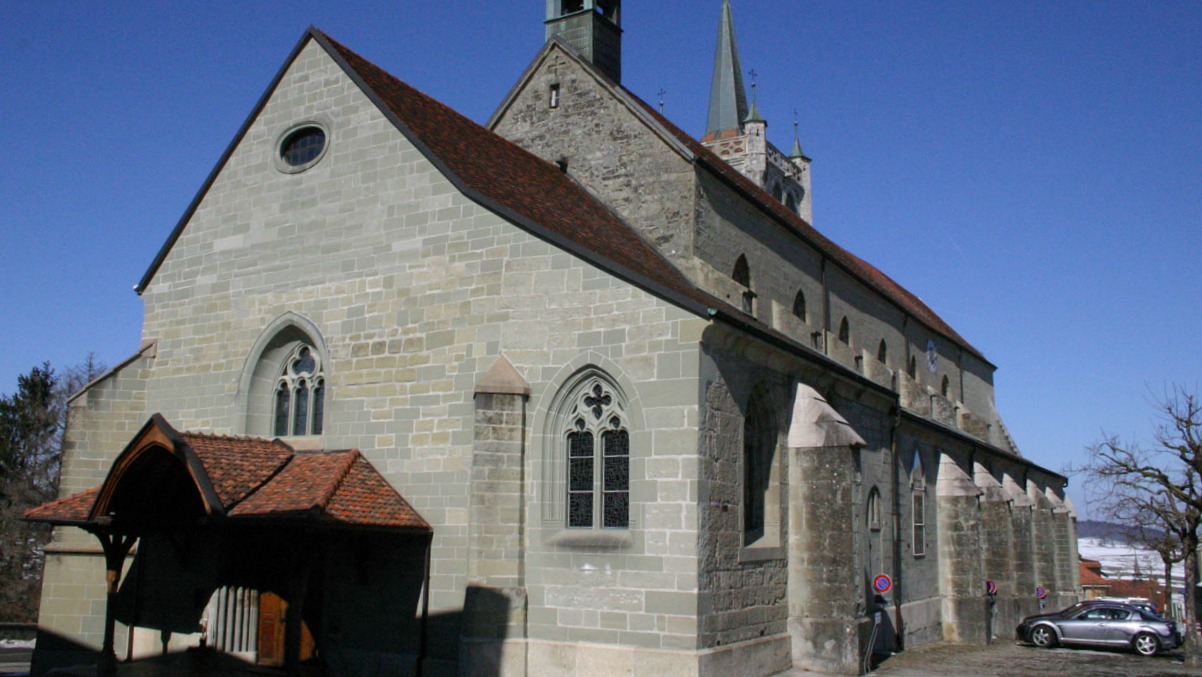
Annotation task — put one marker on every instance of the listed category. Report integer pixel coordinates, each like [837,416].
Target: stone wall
[607,145]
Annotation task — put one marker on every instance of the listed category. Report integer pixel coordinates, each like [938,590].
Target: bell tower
[592,28]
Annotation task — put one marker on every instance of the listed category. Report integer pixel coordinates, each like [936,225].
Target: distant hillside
[1102,530]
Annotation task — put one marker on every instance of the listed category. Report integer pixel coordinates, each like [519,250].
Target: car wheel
[1145,644]
[1043,637]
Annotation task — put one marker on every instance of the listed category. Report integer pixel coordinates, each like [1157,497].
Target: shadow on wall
[358,594]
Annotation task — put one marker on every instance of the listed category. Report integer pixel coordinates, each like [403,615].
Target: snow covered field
[1120,560]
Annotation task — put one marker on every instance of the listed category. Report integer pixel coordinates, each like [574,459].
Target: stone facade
[776,464]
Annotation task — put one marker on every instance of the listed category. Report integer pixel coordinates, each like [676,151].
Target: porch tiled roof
[256,479]
[238,465]
[73,508]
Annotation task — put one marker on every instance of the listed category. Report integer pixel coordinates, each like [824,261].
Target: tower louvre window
[553,99]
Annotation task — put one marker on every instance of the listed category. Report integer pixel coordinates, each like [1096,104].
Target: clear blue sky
[1030,169]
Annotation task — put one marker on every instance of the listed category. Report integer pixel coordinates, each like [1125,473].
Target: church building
[573,392]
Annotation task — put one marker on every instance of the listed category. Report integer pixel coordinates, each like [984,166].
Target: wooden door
[273,613]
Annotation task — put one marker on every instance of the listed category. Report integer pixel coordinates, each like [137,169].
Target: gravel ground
[1011,659]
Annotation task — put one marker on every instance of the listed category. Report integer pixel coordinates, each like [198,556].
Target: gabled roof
[545,201]
[494,172]
[694,151]
[857,267]
[243,479]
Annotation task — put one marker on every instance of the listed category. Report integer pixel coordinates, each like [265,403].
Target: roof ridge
[266,480]
[865,272]
[352,456]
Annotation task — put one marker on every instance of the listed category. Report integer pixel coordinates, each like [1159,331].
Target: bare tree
[1144,528]
[1159,485]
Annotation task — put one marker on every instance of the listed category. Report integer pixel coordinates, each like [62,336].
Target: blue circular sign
[1040,592]
[990,588]
[882,584]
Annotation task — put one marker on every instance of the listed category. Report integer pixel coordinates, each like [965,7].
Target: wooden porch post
[298,588]
[116,548]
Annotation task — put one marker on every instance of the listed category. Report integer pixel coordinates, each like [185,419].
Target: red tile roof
[547,202]
[512,177]
[262,480]
[1091,574]
[517,183]
[861,269]
[73,508]
[238,465]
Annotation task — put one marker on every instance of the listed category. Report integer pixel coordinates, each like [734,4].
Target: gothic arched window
[761,498]
[799,306]
[742,275]
[844,331]
[597,442]
[299,406]
[873,511]
[882,352]
[945,387]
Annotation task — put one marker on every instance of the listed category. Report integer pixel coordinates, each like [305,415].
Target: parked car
[1141,603]
[1102,624]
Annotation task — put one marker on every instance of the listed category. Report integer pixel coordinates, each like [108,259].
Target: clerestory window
[597,442]
[299,407]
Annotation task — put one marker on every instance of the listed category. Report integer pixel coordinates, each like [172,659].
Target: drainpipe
[899,629]
[826,311]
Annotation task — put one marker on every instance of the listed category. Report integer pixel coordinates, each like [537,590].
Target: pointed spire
[728,96]
[754,115]
[796,153]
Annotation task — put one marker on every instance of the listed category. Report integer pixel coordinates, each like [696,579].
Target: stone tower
[592,28]
[739,134]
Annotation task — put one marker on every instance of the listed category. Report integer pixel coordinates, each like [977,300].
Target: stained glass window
[598,484]
[299,395]
[617,476]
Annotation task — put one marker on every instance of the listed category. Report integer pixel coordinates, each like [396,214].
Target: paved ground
[1009,659]
[1005,659]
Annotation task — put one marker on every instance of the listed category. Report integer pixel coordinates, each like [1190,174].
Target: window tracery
[598,486]
[299,406]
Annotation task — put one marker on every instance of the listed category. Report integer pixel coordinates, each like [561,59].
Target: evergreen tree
[32,421]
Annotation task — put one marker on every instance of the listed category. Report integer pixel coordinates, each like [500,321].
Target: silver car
[1102,624]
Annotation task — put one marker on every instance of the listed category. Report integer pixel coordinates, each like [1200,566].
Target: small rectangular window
[554,100]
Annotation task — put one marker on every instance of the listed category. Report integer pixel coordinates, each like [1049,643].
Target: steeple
[592,28]
[740,136]
[728,96]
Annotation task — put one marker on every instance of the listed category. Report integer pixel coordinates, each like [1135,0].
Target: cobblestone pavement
[1011,659]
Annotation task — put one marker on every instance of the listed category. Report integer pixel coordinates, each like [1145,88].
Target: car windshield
[1074,609]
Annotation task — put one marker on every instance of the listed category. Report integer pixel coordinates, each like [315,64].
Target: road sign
[1040,592]
[990,588]
[882,584]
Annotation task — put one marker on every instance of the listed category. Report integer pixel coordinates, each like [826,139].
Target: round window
[302,147]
